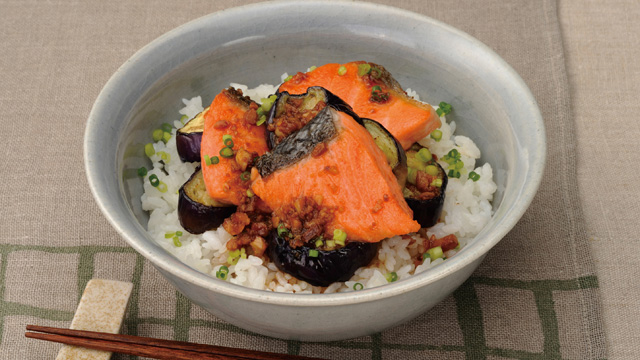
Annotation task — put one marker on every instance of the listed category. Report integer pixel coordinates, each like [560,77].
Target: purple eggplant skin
[197,211]
[189,137]
[189,146]
[328,267]
[427,212]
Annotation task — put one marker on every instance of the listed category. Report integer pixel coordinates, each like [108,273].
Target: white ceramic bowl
[256,44]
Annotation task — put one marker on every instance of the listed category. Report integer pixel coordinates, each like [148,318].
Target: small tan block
[102,308]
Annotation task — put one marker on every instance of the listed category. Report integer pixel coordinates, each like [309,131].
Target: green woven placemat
[535,295]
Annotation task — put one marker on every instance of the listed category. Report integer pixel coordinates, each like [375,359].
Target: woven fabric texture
[602,47]
[535,296]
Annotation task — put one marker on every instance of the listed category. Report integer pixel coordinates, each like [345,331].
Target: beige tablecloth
[536,295]
[602,49]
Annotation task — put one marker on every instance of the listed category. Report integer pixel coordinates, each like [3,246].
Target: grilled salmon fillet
[350,175]
[230,115]
[373,93]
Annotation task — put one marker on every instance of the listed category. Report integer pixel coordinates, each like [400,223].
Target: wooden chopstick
[149,347]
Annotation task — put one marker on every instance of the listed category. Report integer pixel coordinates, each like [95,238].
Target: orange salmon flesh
[352,176]
[407,119]
[227,116]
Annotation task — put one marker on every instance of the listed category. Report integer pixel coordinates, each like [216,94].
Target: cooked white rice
[466,211]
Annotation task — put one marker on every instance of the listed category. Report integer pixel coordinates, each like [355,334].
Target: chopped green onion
[342,70]
[375,72]
[260,110]
[245,176]
[446,108]
[222,272]
[313,253]
[234,256]
[377,95]
[412,174]
[207,159]
[282,229]
[453,173]
[162,187]
[319,243]
[142,172]
[215,160]
[149,150]
[226,152]
[164,156]
[176,241]
[249,193]
[261,121]
[436,135]
[474,176]
[153,179]
[340,242]
[339,235]
[166,127]
[436,182]
[431,170]
[178,233]
[330,244]
[288,78]
[454,154]
[358,286]
[266,106]
[425,155]
[243,253]
[165,137]
[169,235]
[267,103]
[157,134]
[183,118]
[459,165]
[449,160]
[312,68]
[434,253]
[414,162]
[364,69]
[228,142]
[392,276]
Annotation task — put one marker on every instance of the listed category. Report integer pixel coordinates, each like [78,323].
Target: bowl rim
[475,250]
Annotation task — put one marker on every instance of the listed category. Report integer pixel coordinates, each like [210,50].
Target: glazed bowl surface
[255,44]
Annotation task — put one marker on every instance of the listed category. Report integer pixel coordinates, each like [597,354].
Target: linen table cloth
[534,296]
